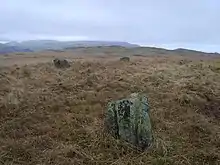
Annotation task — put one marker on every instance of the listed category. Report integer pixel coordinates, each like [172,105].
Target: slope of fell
[52,116]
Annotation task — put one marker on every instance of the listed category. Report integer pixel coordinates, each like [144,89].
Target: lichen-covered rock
[128,119]
[61,63]
[124,59]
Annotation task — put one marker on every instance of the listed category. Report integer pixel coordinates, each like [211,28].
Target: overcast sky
[169,23]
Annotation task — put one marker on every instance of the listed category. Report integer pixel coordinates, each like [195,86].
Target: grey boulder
[61,63]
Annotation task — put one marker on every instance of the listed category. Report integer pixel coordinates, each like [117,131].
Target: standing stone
[128,119]
[61,63]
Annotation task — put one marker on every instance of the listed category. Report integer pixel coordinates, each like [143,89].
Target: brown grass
[52,116]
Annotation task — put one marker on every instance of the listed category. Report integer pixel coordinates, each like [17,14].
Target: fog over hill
[39,45]
[42,45]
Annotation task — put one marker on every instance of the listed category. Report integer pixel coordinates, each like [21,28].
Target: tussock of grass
[53,116]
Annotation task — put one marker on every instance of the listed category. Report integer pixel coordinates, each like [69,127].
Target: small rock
[184,61]
[124,59]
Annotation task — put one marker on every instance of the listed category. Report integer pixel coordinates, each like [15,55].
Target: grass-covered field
[52,116]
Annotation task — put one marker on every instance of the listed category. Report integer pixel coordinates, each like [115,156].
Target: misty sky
[168,23]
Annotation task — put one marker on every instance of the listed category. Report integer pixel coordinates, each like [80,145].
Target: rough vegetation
[51,116]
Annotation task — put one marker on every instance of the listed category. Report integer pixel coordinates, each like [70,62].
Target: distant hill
[59,46]
[4,49]
[39,45]
[141,51]
[182,51]
[102,43]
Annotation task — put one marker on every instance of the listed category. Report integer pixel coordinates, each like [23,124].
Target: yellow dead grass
[52,116]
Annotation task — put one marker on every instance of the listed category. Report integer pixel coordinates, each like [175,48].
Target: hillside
[52,116]
[60,46]
[182,51]
[40,45]
[4,49]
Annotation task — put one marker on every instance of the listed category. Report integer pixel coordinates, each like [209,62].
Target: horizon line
[171,46]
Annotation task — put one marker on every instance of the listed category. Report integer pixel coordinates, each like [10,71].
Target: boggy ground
[53,116]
